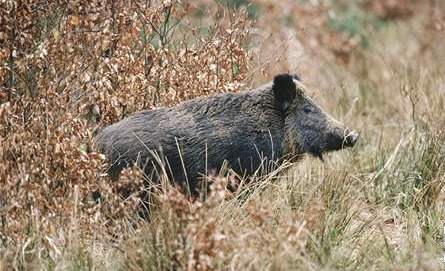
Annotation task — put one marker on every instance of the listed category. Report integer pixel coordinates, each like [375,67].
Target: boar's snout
[341,139]
[350,139]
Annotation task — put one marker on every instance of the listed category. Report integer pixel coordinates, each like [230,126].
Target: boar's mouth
[334,141]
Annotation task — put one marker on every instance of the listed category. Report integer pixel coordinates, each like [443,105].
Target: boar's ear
[296,77]
[284,90]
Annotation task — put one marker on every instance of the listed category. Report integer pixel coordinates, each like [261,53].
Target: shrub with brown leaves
[71,67]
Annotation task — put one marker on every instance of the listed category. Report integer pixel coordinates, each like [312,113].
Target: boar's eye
[307,109]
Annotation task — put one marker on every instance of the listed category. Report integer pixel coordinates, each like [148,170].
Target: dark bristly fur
[272,122]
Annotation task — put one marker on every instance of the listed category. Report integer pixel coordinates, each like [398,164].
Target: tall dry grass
[69,68]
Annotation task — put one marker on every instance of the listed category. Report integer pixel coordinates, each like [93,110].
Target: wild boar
[274,122]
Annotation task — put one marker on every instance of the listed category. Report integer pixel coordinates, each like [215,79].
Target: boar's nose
[350,139]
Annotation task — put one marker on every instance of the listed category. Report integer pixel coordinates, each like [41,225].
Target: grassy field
[68,69]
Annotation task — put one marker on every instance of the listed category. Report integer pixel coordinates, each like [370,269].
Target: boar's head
[308,129]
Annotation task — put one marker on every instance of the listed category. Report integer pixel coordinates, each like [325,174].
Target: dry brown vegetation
[70,68]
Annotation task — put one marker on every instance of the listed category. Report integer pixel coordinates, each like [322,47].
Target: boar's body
[246,129]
